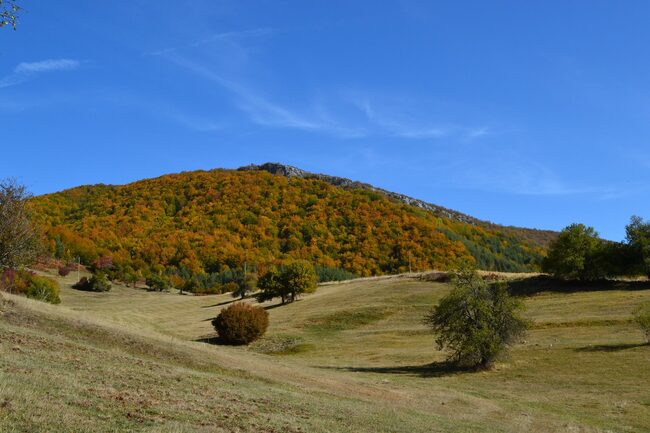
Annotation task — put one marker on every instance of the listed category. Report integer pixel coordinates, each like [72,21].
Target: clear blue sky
[525,113]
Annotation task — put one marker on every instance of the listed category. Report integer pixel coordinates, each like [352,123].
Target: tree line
[579,253]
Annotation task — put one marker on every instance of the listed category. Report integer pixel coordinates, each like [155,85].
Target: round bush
[64,271]
[43,289]
[241,323]
[96,283]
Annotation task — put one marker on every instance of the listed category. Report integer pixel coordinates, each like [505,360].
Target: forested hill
[534,236]
[207,221]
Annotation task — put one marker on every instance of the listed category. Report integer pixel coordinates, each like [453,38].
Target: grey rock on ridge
[290,171]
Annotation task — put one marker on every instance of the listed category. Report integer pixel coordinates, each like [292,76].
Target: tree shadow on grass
[270,307]
[212,339]
[216,340]
[435,369]
[545,283]
[226,302]
[611,347]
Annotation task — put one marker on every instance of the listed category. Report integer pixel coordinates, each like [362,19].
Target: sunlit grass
[351,357]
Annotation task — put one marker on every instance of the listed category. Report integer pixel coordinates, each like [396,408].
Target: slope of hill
[352,357]
[534,236]
[207,221]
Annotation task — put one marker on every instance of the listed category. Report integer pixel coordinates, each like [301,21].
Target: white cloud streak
[47,65]
[28,70]
[263,31]
[399,125]
[264,112]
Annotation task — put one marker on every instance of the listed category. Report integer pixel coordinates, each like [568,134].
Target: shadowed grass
[545,283]
[435,369]
[611,347]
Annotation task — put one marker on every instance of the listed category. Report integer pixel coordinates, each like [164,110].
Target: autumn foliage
[29,284]
[200,223]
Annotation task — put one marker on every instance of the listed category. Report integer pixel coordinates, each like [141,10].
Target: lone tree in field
[476,321]
[299,277]
[576,254]
[19,240]
[288,283]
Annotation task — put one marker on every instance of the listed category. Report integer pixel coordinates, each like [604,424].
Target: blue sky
[523,113]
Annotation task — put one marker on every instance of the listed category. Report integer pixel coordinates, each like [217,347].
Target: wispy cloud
[262,31]
[396,123]
[475,133]
[28,70]
[264,112]
[47,65]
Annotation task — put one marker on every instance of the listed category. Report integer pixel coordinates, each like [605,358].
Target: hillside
[207,221]
[353,357]
[534,236]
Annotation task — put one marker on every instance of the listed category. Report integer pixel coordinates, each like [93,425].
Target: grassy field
[352,357]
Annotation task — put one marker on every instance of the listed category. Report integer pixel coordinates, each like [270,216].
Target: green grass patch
[347,319]
[295,349]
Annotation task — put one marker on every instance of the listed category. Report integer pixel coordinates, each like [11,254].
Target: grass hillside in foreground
[207,221]
[352,357]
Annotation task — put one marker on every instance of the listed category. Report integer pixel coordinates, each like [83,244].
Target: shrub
[241,323]
[477,321]
[82,284]
[230,286]
[30,285]
[44,289]
[97,283]
[642,318]
[64,271]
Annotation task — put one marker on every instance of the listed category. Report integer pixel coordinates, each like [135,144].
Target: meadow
[352,357]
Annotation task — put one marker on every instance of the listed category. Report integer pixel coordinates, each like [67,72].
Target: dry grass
[351,357]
